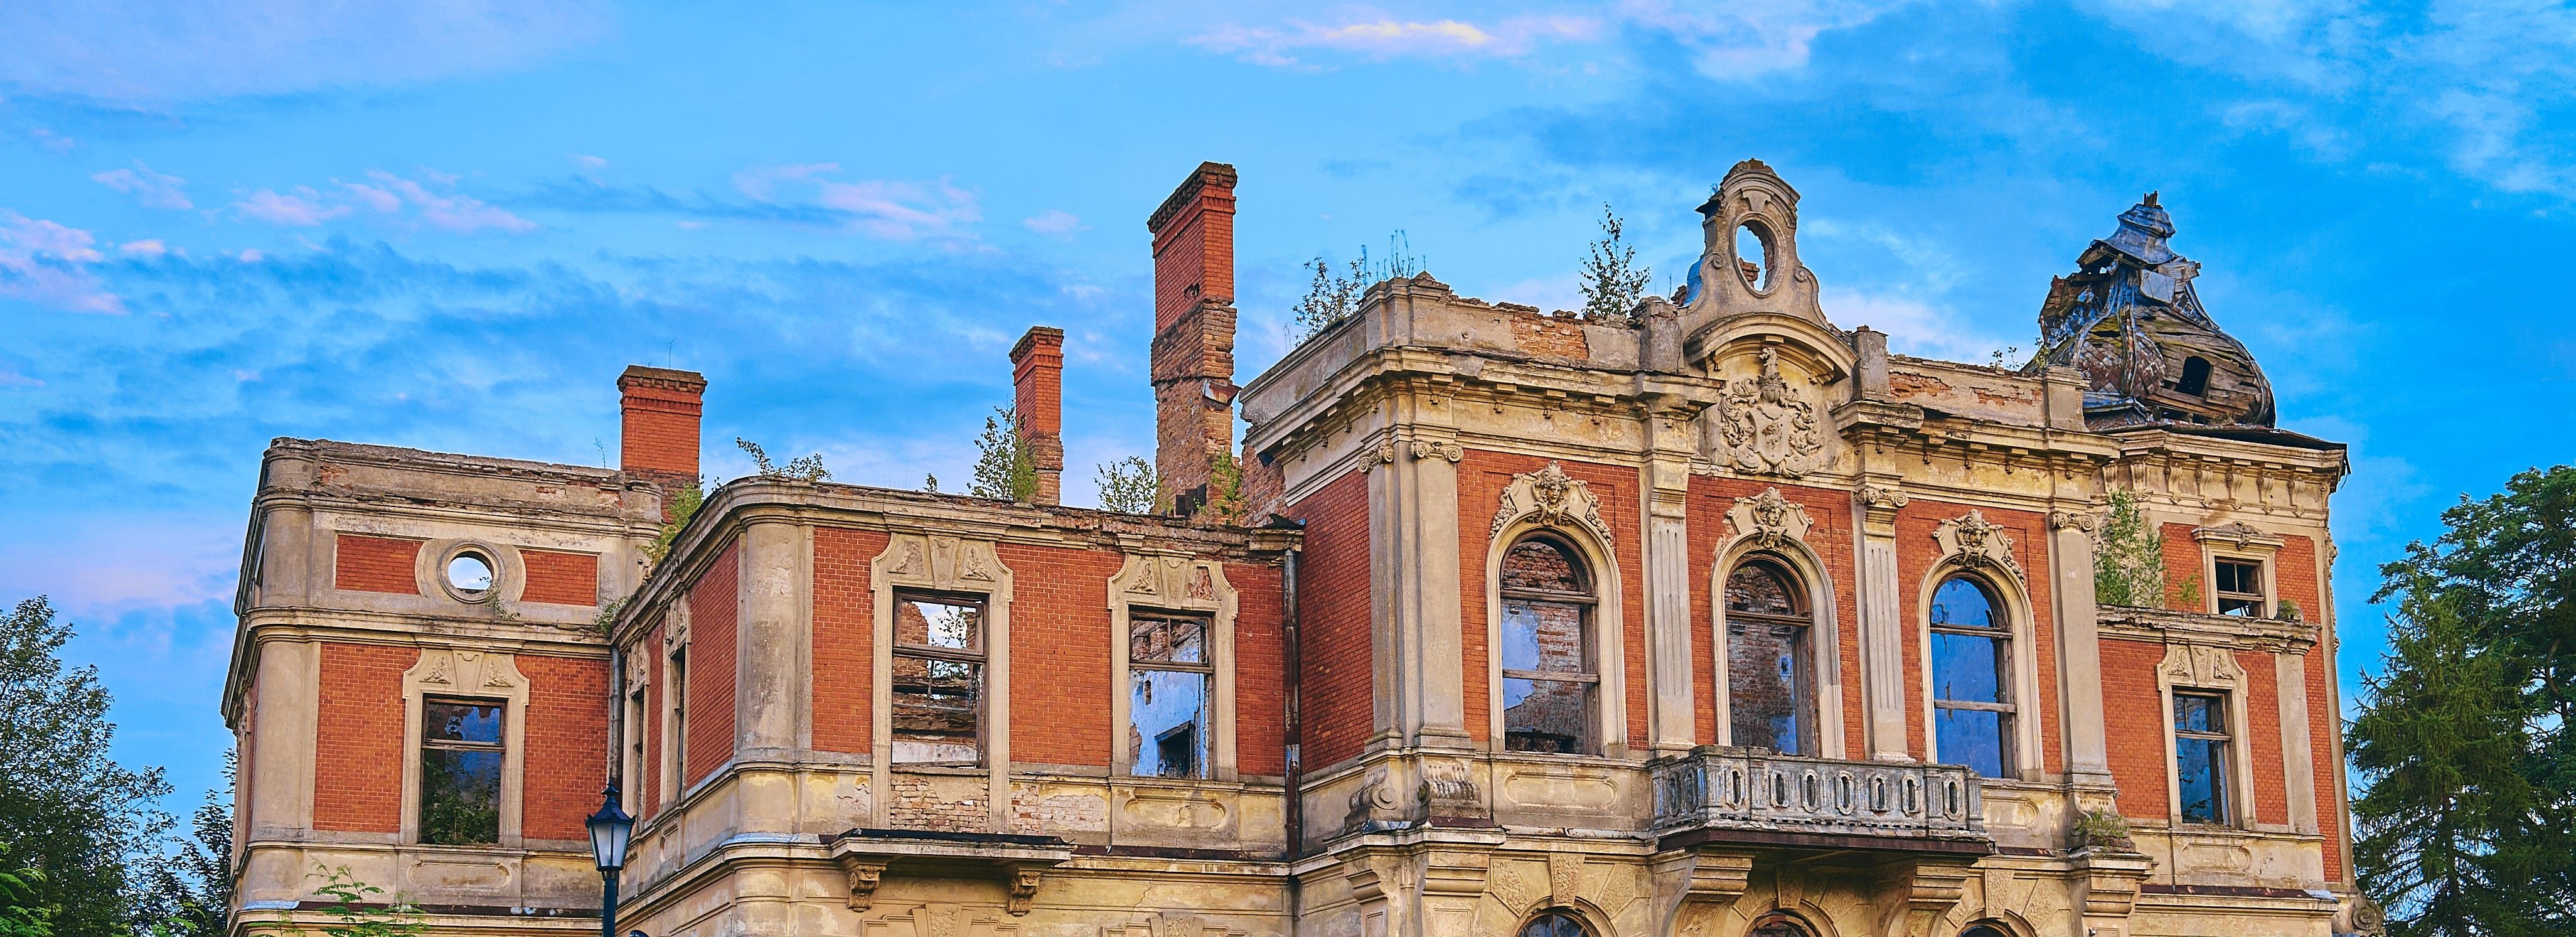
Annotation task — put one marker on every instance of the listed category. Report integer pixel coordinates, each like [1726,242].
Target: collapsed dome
[2130,319]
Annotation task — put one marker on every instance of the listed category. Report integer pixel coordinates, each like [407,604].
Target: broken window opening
[461,753]
[2201,747]
[1554,924]
[1770,682]
[1549,679]
[938,680]
[2195,377]
[470,573]
[1972,702]
[1170,672]
[1753,254]
[2240,588]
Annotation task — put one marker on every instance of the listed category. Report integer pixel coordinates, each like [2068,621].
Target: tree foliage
[1005,469]
[1129,486]
[1335,296]
[188,890]
[2129,559]
[365,910]
[2464,751]
[24,912]
[805,468]
[1613,283]
[70,810]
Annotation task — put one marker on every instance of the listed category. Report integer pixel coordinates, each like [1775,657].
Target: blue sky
[449,225]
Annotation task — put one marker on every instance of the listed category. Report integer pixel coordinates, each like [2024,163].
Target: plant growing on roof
[2128,559]
[1333,297]
[1005,469]
[1613,282]
[1129,486]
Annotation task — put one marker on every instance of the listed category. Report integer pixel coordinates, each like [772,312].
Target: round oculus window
[470,574]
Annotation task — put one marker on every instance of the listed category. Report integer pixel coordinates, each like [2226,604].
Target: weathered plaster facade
[1390,741]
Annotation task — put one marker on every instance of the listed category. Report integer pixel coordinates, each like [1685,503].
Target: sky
[449,224]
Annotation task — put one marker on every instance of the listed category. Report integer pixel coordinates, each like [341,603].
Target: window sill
[949,770]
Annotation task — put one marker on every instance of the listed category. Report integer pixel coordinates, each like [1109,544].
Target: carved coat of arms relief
[1765,426]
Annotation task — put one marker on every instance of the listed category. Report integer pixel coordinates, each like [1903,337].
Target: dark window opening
[1554,924]
[938,684]
[2240,588]
[1971,678]
[460,772]
[2200,756]
[1549,678]
[1770,682]
[1167,701]
[2195,376]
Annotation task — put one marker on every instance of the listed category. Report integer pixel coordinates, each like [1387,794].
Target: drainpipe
[1294,734]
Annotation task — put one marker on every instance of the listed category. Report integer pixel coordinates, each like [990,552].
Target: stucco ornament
[1551,498]
[1765,427]
[1977,543]
[1767,519]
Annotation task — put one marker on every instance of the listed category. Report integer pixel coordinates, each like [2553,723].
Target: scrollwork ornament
[2085,521]
[1428,449]
[1384,454]
[1975,542]
[1764,426]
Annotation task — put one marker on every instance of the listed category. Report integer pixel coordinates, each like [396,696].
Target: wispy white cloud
[302,208]
[154,53]
[384,194]
[1751,37]
[891,209]
[452,212]
[1376,35]
[47,263]
[1054,221]
[154,190]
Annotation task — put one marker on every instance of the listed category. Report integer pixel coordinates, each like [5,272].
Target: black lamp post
[608,831]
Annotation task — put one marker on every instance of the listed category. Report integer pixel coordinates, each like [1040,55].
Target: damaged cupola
[2131,320]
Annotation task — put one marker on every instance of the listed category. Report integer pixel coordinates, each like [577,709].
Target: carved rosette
[1550,498]
[1765,427]
[1768,520]
[1976,543]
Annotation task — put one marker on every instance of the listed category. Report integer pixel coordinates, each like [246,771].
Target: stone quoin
[1710,618]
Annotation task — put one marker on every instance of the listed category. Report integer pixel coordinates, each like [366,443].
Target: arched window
[1549,677]
[2195,376]
[1777,924]
[1554,924]
[1971,677]
[1984,930]
[1770,671]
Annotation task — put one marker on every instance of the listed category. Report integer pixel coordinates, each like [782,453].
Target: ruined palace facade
[1712,618]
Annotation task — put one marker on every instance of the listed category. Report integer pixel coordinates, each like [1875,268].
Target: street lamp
[608,831]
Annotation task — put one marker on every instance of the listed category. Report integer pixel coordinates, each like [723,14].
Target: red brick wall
[2262,736]
[654,704]
[567,738]
[2330,806]
[1482,476]
[1260,655]
[561,578]
[2133,717]
[2185,588]
[1916,552]
[1831,538]
[1059,654]
[358,738]
[1335,616]
[844,638]
[376,564]
[714,611]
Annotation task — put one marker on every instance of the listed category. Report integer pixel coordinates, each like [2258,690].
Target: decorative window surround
[2201,667]
[1176,584]
[2243,543]
[942,564]
[467,675]
[675,703]
[1775,526]
[1972,545]
[1550,500]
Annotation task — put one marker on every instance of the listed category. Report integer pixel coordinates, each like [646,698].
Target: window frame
[1586,602]
[2259,601]
[2209,670]
[1174,585]
[473,676]
[1205,766]
[1806,692]
[2013,679]
[980,656]
[422,745]
[2222,780]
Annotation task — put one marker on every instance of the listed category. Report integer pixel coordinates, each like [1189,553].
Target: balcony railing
[1788,799]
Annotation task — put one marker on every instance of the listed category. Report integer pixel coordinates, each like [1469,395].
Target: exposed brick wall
[2261,737]
[1059,653]
[1337,684]
[2133,718]
[714,613]
[1831,538]
[2185,588]
[1482,476]
[658,431]
[918,805]
[376,564]
[1260,657]
[844,638]
[358,745]
[1917,551]
[559,578]
[567,734]
[1536,334]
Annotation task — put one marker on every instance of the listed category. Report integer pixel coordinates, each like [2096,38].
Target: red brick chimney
[1193,354]
[1037,394]
[658,441]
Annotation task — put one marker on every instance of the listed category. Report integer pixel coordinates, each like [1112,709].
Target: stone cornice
[2165,626]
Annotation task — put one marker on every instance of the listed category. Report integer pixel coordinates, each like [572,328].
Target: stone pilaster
[2079,648]
[1666,479]
[1882,624]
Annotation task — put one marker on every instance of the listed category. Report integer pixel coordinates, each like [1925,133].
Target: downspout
[1290,693]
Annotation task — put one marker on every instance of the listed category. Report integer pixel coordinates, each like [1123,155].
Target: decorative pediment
[946,563]
[2238,535]
[1975,543]
[1766,426]
[442,670]
[1767,519]
[1173,582]
[1550,498]
[2200,665]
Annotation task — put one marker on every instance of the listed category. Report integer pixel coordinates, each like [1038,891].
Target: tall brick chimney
[1037,394]
[658,438]
[1193,355]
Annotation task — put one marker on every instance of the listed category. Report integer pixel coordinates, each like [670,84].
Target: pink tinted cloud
[154,190]
[885,208]
[46,263]
[302,208]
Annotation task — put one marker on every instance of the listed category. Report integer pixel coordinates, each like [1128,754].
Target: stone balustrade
[1770,797]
